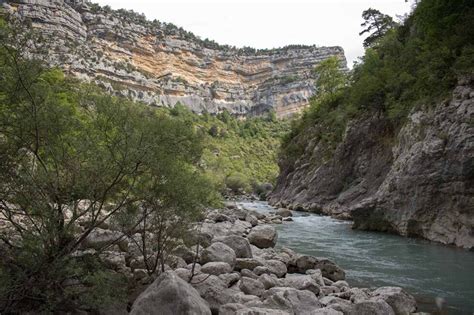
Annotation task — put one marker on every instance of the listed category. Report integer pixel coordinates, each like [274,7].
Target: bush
[237,183]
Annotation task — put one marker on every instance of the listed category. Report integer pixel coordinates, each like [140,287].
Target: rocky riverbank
[239,271]
[416,181]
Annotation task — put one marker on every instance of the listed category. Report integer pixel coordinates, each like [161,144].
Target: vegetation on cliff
[414,64]
[238,154]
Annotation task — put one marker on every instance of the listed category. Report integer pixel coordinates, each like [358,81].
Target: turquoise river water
[425,269]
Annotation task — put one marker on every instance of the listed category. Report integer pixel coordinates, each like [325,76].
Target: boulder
[251,219]
[305,262]
[338,304]
[247,263]
[99,238]
[263,236]
[300,282]
[185,253]
[401,302]
[183,273]
[330,270]
[268,280]
[291,300]
[326,311]
[282,212]
[239,244]
[326,290]
[218,252]
[231,308]
[276,267]
[213,290]
[261,311]
[248,273]
[251,286]
[230,278]
[170,295]
[317,276]
[372,307]
[216,268]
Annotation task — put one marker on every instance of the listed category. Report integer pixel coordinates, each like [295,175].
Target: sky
[269,23]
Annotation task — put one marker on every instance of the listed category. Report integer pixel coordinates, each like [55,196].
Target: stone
[276,267]
[248,273]
[338,304]
[239,244]
[291,300]
[247,263]
[231,308]
[230,278]
[183,273]
[300,282]
[330,270]
[326,311]
[216,268]
[268,280]
[251,219]
[185,253]
[170,295]
[326,290]
[218,252]
[213,290]
[372,307]
[401,302]
[263,236]
[100,238]
[317,276]
[251,286]
[284,213]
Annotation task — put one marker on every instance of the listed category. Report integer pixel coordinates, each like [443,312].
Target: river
[425,269]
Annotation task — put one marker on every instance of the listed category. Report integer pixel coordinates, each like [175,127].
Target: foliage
[376,25]
[414,64]
[233,146]
[70,154]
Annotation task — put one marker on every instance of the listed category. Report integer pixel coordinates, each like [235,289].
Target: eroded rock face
[421,183]
[161,65]
[170,295]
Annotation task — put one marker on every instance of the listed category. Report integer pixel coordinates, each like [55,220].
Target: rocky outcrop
[417,181]
[161,65]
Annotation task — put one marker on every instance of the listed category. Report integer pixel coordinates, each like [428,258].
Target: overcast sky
[268,23]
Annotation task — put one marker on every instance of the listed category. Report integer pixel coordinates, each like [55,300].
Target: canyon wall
[160,64]
[417,181]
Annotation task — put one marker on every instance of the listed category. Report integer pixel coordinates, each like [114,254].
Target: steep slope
[419,184]
[392,147]
[160,64]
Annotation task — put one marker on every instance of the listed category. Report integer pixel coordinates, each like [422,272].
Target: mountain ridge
[161,65]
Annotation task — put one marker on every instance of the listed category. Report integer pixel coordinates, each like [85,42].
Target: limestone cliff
[418,181]
[160,64]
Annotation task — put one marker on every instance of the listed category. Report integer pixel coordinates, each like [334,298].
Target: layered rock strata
[162,65]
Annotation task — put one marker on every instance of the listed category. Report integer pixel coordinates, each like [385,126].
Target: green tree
[72,159]
[330,78]
[376,25]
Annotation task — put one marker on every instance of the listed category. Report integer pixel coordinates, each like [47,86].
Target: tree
[376,25]
[71,159]
[330,79]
